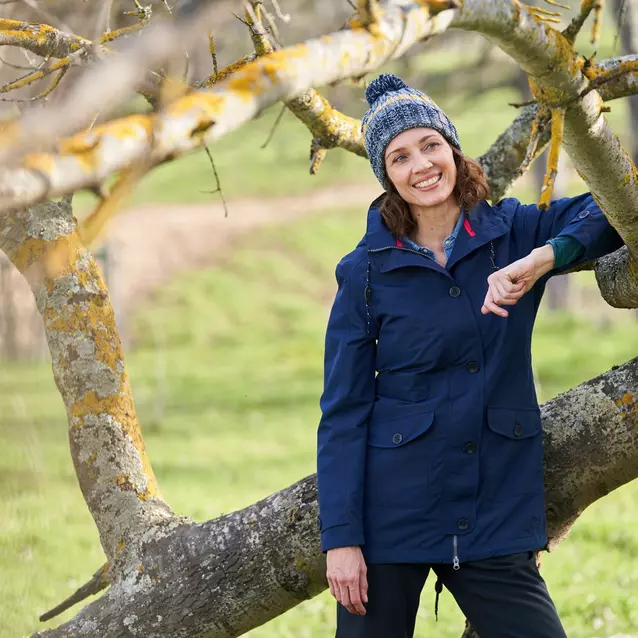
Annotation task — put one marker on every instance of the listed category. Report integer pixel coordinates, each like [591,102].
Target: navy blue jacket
[430,443]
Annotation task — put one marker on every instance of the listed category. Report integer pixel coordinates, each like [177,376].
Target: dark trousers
[503,597]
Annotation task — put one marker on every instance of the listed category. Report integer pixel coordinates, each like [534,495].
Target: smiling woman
[430,454]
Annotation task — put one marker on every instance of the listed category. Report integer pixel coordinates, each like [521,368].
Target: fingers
[506,293]
[502,291]
[347,578]
[355,599]
[490,306]
[363,582]
[352,594]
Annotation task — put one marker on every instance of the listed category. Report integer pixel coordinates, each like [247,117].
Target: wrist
[543,259]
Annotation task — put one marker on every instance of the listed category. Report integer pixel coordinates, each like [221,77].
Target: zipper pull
[456,565]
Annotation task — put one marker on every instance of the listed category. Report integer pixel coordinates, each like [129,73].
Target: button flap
[395,424]
[513,423]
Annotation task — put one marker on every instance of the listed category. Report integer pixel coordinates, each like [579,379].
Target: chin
[432,199]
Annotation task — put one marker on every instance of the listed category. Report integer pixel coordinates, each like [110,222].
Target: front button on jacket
[473,367]
[469,447]
[430,442]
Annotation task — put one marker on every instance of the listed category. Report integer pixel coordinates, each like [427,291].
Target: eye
[431,145]
[399,158]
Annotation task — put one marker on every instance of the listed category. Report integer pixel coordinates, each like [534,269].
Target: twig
[30,78]
[274,127]
[213,54]
[284,17]
[546,12]
[43,94]
[520,105]
[539,123]
[227,71]
[598,79]
[98,582]
[598,17]
[317,155]
[553,3]
[217,180]
[573,29]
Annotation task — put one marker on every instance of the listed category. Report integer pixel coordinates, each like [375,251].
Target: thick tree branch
[107,448]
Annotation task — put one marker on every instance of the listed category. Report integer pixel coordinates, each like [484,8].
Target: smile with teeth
[429,182]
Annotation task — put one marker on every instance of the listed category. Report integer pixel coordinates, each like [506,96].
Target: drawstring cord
[438,588]
[368,294]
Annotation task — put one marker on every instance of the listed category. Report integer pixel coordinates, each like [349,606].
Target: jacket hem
[390,556]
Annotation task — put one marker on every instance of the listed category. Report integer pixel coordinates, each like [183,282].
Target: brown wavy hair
[471,187]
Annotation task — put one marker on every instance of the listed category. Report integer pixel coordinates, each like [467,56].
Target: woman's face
[420,164]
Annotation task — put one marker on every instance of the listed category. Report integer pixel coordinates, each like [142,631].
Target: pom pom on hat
[383,84]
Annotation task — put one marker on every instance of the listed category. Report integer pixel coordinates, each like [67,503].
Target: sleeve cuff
[566,250]
[347,535]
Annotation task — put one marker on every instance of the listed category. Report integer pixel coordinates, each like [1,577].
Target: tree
[167,576]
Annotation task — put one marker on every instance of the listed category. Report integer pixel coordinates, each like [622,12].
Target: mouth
[428,184]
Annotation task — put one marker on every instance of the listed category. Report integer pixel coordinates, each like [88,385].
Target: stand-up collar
[480,225]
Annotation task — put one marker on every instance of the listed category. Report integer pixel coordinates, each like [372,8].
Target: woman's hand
[507,285]
[347,577]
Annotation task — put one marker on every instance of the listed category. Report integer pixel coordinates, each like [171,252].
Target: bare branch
[576,24]
[274,126]
[98,582]
[218,188]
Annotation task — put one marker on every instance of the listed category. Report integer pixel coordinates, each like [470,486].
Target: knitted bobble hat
[394,108]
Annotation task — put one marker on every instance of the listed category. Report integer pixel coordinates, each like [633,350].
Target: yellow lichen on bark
[39,34]
[558,122]
[258,76]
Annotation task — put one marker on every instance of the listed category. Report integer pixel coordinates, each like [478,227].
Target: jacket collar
[480,226]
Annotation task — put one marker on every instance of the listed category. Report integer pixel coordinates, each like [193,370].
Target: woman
[430,445]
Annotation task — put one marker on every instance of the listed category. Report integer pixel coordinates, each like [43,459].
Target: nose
[422,164]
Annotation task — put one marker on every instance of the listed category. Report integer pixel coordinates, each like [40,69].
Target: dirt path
[150,244]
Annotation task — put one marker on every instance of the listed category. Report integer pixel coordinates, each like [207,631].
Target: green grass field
[226,371]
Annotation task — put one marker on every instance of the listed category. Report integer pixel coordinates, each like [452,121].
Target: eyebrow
[401,148]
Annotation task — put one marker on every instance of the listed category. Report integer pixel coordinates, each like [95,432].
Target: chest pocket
[399,453]
[513,453]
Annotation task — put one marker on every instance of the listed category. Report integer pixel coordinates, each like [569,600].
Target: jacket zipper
[455,559]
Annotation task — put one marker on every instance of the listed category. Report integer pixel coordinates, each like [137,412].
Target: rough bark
[107,448]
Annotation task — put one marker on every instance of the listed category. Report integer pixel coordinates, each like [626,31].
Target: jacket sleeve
[577,217]
[346,404]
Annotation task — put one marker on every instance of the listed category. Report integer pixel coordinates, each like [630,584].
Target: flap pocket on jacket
[394,425]
[514,424]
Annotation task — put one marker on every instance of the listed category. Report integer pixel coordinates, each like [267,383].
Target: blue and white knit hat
[394,108]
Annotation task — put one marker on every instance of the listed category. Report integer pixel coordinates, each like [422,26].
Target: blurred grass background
[227,369]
